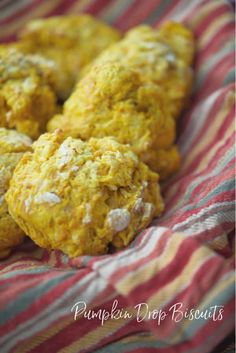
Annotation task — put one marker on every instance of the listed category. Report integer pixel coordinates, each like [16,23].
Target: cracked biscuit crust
[81,197]
[112,100]
[70,41]
[12,147]
[162,56]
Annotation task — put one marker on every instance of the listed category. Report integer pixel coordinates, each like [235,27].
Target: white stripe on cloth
[132,255]
[13,7]
[203,221]
[198,118]
[183,10]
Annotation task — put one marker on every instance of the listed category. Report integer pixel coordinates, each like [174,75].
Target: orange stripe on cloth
[212,29]
[132,280]
[43,336]
[204,138]
[206,13]
[78,7]
[93,337]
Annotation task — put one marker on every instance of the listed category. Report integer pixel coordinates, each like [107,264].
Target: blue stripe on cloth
[157,13]
[28,297]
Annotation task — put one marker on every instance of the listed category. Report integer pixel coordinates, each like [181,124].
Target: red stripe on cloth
[219,135]
[215,77]
[44,300]
[17,265]
[129,328]
[211,16]
[188,179]
[29,259]
[181,216]
[207,232]
[231,238]
[204,234]
[98,262]
[147,350]
[204,188]
[211,328]
[157,250]
[167,13]
[121,20]
[62,262]
[202,282]
[97,6]
[187,119]
[209,235]
[216,43]
[22,283]
[201,342]
[136,14]
[61,8]
[23,276]
[204,130]
[8,39]
[21,12]
[226,252]
[78,329]
[12,291]
[166,275]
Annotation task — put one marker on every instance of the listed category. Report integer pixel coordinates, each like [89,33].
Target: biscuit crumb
[119,219]
[87,218]
[48,197]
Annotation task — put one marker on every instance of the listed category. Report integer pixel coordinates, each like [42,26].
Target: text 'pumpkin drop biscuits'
[70,41]
[27,98]
[12,147]
[162,56]
[112,100]
[80,197]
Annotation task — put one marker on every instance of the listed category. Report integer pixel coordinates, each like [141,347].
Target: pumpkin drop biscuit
[27,98]
[113,100]
[81,197]
[70,41]
[163,56]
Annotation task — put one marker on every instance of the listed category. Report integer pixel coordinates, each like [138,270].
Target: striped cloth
[183,259]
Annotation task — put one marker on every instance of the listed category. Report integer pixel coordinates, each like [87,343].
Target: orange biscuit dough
[81,197]
[113,100]
[12,147]
[70,41]
[27,98]
[163,56]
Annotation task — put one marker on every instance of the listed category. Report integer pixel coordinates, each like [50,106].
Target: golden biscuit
[180,39]
[161,56]
[27,98]
[81,197]
[12,147]
[112,100]
[70,41]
